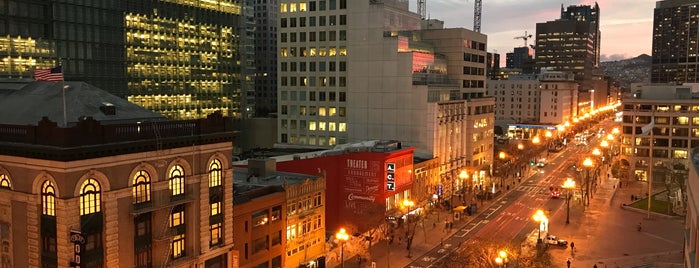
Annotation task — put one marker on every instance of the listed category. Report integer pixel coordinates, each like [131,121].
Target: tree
[479,253]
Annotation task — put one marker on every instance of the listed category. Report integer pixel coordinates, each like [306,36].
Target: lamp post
[568,185]
[342,236]
[587,163]
[540,218]
[409,239]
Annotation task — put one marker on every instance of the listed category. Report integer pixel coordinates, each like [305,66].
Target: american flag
[53,74]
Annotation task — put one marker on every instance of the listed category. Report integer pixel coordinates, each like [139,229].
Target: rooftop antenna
[422,8]
[525,37]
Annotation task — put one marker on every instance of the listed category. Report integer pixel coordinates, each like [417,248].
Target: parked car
[553,240]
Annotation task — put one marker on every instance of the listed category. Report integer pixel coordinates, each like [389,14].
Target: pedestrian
[568,262]
[572,246]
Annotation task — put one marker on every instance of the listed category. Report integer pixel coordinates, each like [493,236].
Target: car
[553,240]
[555,194]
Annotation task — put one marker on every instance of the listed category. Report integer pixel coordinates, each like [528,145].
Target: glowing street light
[588,162]
[502,155]
[569,184]
[539,217]
[596,151]
[343,237]
[536,140]
[548,134]
[520,146]
[501,258]
[604,144]
[615,131]
[610,137]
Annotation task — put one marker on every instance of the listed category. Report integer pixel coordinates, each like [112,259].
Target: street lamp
[536,140]
[596,152]
[520,146]
[568,185]
[502,155]
[342,236]
[540,218]
[587,163]
[604,144]
[409,239]
[501,259]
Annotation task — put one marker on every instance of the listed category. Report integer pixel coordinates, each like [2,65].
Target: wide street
[604,232]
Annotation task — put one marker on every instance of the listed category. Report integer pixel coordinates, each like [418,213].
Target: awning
[459,209]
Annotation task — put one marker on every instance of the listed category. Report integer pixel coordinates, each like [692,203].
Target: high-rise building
[367,71]
[266,13]
[590,14]
[675,35]
[571,43]
[521,58]
[179,58]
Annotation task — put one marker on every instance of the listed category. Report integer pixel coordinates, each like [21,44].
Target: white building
[549,98]
[365,71]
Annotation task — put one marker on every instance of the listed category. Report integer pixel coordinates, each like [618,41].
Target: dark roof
[26,102]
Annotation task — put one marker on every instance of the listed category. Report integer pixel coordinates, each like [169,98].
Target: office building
[675,34]
[549,98]
[590,14]
[346,77]
[266,19]
[289,227]
[521,58]
[121,187]
[571,43]
[675,115]
[179,58]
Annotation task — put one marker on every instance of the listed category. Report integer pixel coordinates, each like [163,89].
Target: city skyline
[626,25]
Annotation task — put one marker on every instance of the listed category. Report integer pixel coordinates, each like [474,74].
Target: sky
[626,25]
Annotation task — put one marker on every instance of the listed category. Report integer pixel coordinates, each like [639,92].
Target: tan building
[303,224]
[675,115]
[121,187]
[259,218]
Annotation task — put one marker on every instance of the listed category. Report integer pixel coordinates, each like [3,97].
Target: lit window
[178,246]
[284,7]
[141,187]
[48,199]
[215,173]
[292,7]
[176,181]
[177,216]
[342,127]
[90,196]
[216,231]
[302,6]
[5,181]
[215,208]
[679,154]
[331,126]
[312,125]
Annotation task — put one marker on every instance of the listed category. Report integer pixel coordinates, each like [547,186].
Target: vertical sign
[391,176]
[78,240]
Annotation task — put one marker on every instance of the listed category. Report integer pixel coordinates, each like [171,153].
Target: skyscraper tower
[675,42]
[178,58]
[589,14]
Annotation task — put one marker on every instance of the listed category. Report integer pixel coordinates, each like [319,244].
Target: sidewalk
[606,235]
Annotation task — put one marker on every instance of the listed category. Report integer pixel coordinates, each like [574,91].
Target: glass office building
[179,58]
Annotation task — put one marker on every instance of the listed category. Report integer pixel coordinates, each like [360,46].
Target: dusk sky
[626,25]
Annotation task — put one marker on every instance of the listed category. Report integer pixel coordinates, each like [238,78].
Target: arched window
[90,197]
[141,187]
[48,199]
[215,173]
[5,181]
[176,181]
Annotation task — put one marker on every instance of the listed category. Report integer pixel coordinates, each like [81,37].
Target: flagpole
[65,117]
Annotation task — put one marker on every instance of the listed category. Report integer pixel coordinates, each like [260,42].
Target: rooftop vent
[108,108]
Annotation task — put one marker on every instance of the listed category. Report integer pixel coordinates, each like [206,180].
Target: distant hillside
[634,70]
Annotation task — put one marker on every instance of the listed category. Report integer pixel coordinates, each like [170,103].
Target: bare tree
[479,253]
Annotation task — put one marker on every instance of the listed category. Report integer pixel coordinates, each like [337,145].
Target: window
[5,181]
[215,173]
[277,238]
[48,199]
[176,181]
[90,197]
[216,233]
[260,244]
[177,216]
[276,213]
[143,258]
[260,218]
[141,187]
[178,246]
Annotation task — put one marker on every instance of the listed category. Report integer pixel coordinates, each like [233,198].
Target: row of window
[321,21]
[313,125]
[320,5]
[661,108]
[313,81]
[314,96]
[311,139]
[332,66]
[313,51]
[311,111]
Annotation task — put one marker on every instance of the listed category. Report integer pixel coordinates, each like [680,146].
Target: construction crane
[477,7]
[422,8]
[525,37]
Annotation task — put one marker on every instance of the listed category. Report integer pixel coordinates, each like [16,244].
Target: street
[604,233]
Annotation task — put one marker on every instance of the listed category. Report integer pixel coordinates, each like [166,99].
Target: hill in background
[625,72]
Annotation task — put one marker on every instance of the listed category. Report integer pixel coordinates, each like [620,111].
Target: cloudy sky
[626,25]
